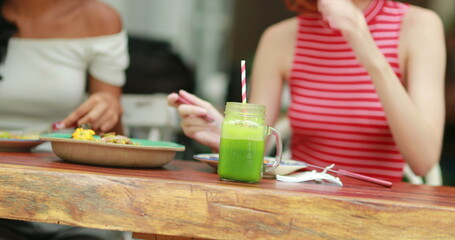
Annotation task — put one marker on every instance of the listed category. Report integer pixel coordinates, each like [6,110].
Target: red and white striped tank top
[335,113]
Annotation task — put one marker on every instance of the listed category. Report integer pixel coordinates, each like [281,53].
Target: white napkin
[310,176]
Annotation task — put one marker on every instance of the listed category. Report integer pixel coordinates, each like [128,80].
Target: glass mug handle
[279,148]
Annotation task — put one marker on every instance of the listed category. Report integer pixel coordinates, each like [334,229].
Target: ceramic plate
[18,145]
[287,166]
[143,153]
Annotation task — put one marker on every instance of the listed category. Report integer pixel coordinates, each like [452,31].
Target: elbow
[423,160]
[424,164]
[421,171]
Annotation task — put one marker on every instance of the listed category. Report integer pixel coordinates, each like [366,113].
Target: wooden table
[185,198]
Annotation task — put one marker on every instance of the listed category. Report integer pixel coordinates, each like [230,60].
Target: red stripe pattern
[335,112]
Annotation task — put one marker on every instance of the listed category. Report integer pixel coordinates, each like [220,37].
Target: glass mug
[243,136]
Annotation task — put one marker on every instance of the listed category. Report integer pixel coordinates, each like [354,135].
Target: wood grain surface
[185,198]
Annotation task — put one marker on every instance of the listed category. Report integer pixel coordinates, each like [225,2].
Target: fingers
[172,100]
[211,115]
[203,132]
[93,114]
[193,105]
[342,15]
[104,120]
[195,100]
[192,125]
[74,117]
[186,110]
[200,120]
[100,110]
[329,11]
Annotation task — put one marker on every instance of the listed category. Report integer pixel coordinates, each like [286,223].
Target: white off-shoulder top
[44,80]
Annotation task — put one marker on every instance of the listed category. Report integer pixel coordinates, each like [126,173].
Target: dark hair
[301,6]
[7,30]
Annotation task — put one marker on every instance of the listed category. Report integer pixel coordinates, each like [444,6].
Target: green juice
[241,153]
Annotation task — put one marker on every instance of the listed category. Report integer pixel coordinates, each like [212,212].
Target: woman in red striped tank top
[366,80]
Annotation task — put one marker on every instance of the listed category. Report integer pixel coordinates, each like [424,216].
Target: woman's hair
[7,30]
[301,6]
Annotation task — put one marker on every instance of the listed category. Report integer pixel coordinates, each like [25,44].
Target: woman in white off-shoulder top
[48,50]
[52,47]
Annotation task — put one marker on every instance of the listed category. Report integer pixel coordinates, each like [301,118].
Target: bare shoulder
[100,18]
[284,31]
[420,20]
[422,30]
[277,45]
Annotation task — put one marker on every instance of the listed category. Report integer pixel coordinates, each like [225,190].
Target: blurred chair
[155,70]
[148,116]
[433,177]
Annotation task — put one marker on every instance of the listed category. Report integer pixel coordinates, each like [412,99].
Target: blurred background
[197,45]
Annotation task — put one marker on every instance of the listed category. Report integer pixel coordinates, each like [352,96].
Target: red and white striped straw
[243,69]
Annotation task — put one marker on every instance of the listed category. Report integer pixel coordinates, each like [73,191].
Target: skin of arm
[272,63]
[102,109]
[415,110]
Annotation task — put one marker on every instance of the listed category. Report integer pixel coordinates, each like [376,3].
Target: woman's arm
[272,63]
[102,110]
[415,112]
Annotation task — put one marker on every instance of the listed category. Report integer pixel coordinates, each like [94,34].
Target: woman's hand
[194,122]
[348,18]
[102,110]
[342,15]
